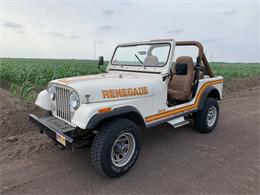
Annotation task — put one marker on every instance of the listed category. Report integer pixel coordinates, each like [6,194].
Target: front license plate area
[61,139]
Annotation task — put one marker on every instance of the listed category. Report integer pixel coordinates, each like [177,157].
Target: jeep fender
[126,111]
[87,116]
[43,100]
[211,92]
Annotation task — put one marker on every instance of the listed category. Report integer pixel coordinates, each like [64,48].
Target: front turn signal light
[105,109]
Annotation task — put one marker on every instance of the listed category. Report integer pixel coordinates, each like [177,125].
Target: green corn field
[32,75]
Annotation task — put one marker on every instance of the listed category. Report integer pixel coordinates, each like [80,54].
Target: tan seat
[180,86]
[151,60]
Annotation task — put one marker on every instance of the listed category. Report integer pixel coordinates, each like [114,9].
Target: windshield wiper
[139,59]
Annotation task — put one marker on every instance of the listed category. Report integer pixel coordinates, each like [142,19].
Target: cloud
[108,12]
[11,25]
[73,37]
[227,13]
[59,35]
[56,34]
[106,29]
[20,32]
[177,31]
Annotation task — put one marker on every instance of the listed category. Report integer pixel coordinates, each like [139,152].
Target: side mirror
[100,61]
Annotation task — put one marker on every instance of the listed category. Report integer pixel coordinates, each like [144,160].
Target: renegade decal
[125,92]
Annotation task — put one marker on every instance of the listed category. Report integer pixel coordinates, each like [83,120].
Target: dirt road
[171,161]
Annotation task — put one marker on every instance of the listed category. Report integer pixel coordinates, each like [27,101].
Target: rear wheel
[206,119]
[116,147]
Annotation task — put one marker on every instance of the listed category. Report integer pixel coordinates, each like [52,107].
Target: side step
[178,122]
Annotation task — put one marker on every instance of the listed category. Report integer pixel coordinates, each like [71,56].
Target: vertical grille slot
[62,103]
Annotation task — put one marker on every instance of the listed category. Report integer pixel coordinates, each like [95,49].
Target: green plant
[32,75]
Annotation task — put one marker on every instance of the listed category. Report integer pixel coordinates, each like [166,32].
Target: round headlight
[74,100]
[51,91]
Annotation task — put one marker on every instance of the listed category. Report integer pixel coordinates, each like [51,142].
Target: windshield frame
[141,65]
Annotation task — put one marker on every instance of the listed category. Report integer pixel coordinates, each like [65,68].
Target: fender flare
[43,100]
[128,111]
[209,92]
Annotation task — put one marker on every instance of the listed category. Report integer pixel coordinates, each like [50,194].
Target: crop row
[27,75]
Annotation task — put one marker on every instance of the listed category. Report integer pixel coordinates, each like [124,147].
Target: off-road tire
[103,143]
[201,116]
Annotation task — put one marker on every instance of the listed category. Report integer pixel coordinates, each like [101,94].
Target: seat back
[180,85]
[151,60]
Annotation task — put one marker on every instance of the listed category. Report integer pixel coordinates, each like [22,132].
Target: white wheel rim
[123,149]
[211,116]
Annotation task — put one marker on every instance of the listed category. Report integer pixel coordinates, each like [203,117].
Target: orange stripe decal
[193,106]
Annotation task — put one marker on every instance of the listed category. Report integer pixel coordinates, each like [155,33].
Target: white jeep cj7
[142,87]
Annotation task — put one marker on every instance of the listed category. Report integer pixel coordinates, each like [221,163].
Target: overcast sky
[229,30]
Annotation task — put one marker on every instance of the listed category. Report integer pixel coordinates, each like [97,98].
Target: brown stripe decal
[185,108]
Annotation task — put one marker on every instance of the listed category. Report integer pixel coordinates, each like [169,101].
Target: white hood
[112,86]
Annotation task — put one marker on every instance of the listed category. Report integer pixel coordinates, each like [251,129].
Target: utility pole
[95,52]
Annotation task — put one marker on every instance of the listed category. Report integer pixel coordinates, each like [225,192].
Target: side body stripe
[191,107]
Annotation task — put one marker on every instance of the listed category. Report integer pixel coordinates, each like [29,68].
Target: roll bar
[201,54]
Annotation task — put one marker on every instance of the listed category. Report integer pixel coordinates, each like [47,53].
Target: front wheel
[206,119]
[116,147]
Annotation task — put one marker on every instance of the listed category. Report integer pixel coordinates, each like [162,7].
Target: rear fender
[210,92]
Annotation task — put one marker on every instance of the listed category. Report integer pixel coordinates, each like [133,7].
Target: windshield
[155,55]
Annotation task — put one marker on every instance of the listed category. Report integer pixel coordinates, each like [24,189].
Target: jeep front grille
[62,103]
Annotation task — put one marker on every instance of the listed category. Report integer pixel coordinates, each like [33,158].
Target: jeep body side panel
[193,105]
[85,114]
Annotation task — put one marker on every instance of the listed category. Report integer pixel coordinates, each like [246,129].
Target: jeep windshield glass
[154,55]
